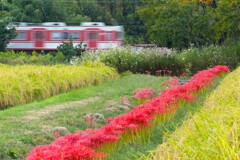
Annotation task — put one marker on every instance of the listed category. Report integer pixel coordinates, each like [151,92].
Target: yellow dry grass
[26,83]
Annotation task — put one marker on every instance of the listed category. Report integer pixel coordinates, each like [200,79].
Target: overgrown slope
[214,132]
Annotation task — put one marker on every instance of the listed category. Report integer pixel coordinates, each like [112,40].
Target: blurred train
[49,35]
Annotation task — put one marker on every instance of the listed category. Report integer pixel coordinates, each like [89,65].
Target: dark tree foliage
[182,24]
[112,12]
[170,23]
[70,51]
[7,33]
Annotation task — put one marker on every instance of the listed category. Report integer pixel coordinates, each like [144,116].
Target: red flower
[144,94]
[81,144]
[148,72]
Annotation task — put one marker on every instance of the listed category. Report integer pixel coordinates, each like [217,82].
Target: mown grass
[25,126]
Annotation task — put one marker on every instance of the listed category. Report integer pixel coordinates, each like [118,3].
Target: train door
[38,38]
[92,38]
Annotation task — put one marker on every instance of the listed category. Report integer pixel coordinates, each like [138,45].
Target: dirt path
[37,114]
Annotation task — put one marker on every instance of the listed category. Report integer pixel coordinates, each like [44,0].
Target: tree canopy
[181,24]
[114,12]
[6,33]
[169,23]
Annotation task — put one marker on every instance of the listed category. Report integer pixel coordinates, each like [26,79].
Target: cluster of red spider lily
[163,72]
[84,144]
[144,94]
[173,82]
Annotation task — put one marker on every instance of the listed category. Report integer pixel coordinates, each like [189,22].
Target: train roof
[59,24]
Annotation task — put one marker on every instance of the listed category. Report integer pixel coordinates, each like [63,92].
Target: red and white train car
[49,35]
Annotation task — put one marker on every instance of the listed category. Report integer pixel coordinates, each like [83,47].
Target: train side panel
[49,37]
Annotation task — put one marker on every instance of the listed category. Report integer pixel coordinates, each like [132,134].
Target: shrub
[195,59]
[188,61]
[125,59]
[69,50]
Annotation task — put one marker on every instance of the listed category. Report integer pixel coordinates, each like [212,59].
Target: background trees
[168,23]
[120,12]
[6,33]
[181,24]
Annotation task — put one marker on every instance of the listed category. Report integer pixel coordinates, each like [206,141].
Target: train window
[65,35]
[119,35]
[108,36]
[21,36]
[56,35]
[39,35]
[92,35]
[75,35]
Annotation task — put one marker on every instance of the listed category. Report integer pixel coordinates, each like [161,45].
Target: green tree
[4,9]
[227,20]
[38,10]
[6,33]
[134,26]
[69,50]
[175,24]
[117,12]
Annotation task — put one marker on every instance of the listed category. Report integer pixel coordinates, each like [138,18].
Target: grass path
[51,109]
[25,126]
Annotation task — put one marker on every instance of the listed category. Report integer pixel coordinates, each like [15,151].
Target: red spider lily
[158,72]
[173,82]
[148,72]
[56,134]
[183,75]
[81,144]
[57,152]
[218,69]
[144,94]
[90,121]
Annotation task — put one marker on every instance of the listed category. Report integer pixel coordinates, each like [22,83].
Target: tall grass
[21,58]
[26,83]
[190,60]
[214,132]
[136,61]
[195,59]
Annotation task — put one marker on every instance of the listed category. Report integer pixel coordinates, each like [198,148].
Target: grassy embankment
[25,126]
[156,135]
[212,133]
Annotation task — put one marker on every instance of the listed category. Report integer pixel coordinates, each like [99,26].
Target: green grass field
[25,126]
